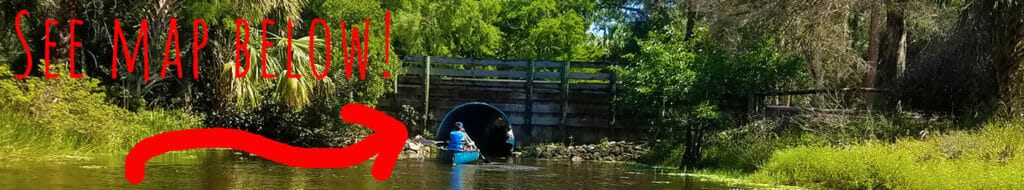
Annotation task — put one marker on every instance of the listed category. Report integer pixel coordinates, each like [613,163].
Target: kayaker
[511,137]
[459,140]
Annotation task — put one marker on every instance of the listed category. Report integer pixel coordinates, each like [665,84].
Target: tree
[546,30]
[1008,51]
[873,46]
[253,90]
[369,90]
[693,85]
[626,22]
[448,28]
[893,62]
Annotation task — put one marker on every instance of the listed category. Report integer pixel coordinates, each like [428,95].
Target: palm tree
[294,92]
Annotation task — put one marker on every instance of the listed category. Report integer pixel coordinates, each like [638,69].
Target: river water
[224,169]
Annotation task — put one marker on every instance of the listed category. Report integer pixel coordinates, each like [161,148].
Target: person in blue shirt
[458,139]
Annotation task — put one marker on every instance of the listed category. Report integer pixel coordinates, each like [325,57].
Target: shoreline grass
[989,158]
[49,118]
[26,136]
[718,175]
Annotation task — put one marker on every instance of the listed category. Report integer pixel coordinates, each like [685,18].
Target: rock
[609,151]
[411,154]
[415,146]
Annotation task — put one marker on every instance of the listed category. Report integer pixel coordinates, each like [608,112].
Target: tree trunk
[693,144]
[854,25]
[1008,53]
[691,20]
[873,45]
[66,10]
[894,59]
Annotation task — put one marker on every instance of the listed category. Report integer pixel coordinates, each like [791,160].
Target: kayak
[458,157]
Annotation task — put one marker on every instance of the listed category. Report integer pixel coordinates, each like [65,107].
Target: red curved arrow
[386,143]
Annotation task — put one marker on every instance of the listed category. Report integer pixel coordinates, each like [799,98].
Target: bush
[854,129]
[744,148]
[414,121]
[307,127]
[71,116]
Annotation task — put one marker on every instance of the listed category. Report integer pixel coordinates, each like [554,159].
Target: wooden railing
[529,65]
[533,93]
[757,101]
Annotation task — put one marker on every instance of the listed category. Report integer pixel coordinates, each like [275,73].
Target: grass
[718,175]
[989,158]
[25,136]
[70,117]
[875,152]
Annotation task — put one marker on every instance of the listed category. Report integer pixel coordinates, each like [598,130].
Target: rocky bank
[420,148]
[610,151]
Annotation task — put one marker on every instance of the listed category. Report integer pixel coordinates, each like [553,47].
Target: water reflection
[455,180]
[233,170]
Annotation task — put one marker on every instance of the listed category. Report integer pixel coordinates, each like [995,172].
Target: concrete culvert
[487,125]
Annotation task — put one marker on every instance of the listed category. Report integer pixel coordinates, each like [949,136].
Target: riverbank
[45,118]
[611,151]
[629,153]
[62,119]
[988,158]
[23,137]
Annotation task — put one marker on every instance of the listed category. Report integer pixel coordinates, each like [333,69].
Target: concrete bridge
[541,100]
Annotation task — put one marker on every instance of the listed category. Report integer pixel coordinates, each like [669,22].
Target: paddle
[485,158]
[432,142]
[478,150]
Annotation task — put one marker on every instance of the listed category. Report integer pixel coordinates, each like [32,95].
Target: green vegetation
[934,158]
[502,29]
[985,159]
[690,83]
[695,68]
[299,111]
[704,65]
[53,117]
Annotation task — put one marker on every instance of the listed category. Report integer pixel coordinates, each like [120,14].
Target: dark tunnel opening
[485,124]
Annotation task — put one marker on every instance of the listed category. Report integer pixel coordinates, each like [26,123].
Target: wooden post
[611,100]
[753,102]
[395,82]
[528,118]
[426,90]
[564,71]
[395,104]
